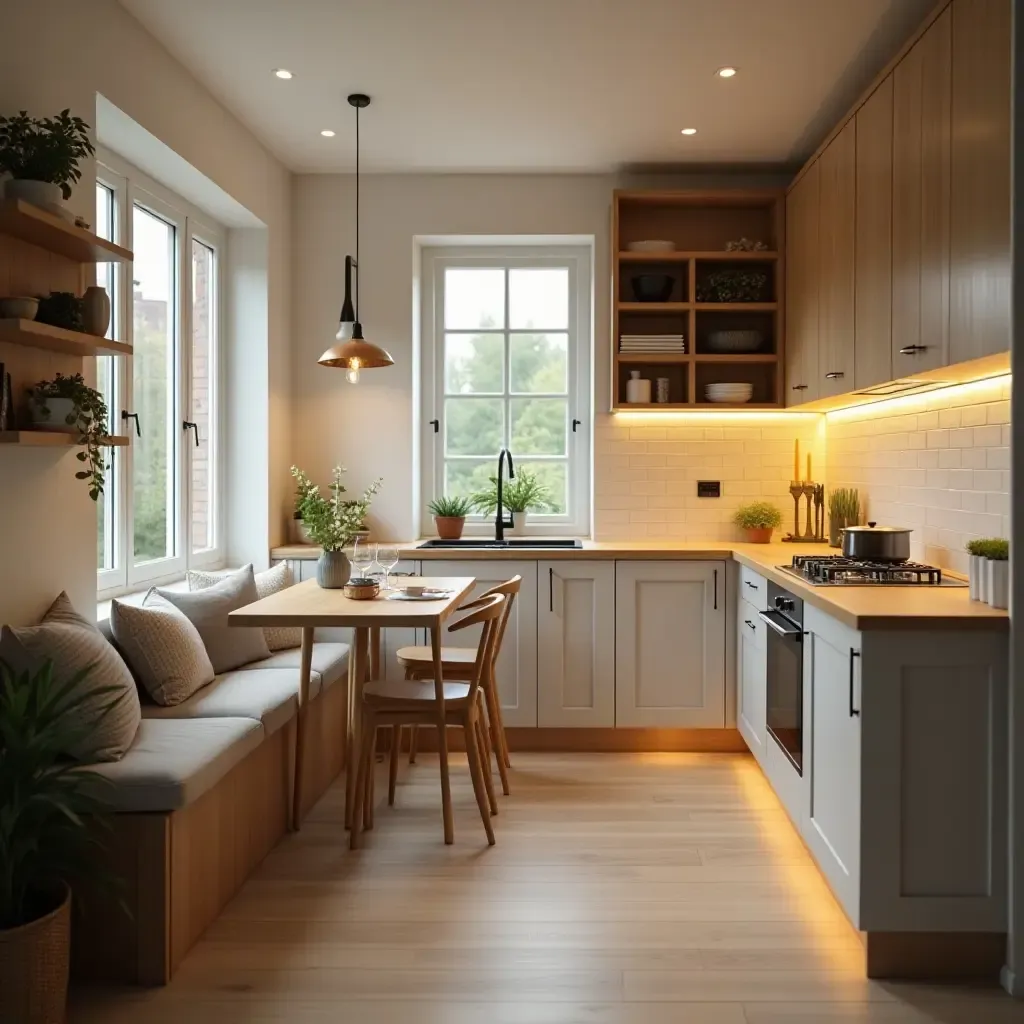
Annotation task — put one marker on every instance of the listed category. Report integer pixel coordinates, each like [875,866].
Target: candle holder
[814,529]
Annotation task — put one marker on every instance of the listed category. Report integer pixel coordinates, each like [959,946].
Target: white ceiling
[534,85]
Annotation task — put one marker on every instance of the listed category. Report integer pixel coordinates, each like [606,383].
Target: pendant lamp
[354,352]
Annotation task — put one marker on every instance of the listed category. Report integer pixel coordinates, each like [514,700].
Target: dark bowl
[652,287]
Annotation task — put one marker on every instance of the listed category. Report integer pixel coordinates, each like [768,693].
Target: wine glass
[387,559]
[362,556]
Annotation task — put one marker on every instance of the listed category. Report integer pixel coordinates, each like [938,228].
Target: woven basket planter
[34,963]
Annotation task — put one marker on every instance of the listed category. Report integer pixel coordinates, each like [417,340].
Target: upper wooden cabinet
[873,259]
[979,230]
[802,384]
[836,221]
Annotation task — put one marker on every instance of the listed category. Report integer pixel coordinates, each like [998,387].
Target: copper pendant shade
[353,352]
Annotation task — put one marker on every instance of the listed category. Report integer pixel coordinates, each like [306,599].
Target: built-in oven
[784,618]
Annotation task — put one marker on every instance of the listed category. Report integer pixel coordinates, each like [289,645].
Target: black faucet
[500,523]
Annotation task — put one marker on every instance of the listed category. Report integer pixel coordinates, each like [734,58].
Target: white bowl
[21,307]
[729,394]
[652,245]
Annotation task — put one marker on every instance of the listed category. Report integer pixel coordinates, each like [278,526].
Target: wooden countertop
[860,608]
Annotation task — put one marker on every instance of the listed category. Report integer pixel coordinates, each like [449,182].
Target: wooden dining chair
[439,703]
[457,663]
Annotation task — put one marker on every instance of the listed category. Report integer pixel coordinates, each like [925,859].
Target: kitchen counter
[860,608]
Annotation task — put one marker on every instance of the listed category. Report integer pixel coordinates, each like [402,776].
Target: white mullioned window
[507,363]
[161,512]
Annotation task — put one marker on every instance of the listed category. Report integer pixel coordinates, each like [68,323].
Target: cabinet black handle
[189,425]
[551,589]
[799,387]
[125,415]
[436,424]
[750,624]
[753,586]
[912,350]
[853,711]
[835,375]
[575,424]
[715,575]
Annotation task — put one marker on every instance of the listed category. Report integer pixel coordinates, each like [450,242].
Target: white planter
[518,524]
[38,193]
[51,414]
[998,583]
[977,577]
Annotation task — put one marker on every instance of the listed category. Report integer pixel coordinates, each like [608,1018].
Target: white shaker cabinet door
[751,677]
[576,644]
[670,644]
[517,662]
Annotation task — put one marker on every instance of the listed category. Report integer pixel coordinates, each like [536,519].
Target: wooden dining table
[308,606]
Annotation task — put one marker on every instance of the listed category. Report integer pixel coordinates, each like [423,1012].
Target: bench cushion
[173,762]
[267,696]
[330,663]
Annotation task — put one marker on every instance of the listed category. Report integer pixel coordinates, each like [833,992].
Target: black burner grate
[838,569]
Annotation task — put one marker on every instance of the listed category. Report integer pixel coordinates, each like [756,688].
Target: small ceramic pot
[759,535]
[518,524]
[977,577]
[449,527]
[22,307]
[998,583]
[96,310]
[333,570]
[52,414]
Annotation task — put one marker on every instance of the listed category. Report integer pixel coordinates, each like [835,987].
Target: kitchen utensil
[734,341]
[652,245]
[20,307]
[652,287]
[877,543]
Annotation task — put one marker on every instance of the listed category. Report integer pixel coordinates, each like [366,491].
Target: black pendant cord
[357,213]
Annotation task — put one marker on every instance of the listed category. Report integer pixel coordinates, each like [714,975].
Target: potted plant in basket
[42,155]
[331,522]
[520,495]
[68,405]
[50,808]
[759,519]
[450,516]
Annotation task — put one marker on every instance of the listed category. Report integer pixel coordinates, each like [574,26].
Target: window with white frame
[160,513]
[507,364]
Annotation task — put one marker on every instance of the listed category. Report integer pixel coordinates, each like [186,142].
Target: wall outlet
[709,488]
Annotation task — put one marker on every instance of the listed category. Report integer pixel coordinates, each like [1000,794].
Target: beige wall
[67,52]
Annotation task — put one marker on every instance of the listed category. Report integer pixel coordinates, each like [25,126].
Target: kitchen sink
[515,543]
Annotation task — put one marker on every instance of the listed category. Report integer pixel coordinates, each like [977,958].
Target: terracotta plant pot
[760,535]
[449,527]
[34,963]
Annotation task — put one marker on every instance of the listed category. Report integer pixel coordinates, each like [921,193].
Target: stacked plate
[729,394]
[652,343]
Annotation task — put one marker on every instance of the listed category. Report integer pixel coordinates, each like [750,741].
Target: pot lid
[875,528]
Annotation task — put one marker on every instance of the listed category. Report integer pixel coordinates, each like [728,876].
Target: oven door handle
[781,630]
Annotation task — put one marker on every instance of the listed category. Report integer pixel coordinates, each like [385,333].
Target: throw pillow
[228,646]
[270,581]
[73,643]
[164,649]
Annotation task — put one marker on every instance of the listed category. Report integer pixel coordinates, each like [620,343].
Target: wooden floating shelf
[48,231]
[53,439]
[33,334]
[736,307]
[654,307]
[677,256]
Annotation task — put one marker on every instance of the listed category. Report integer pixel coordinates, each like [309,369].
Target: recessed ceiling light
[689,131]
[327,133]
[726,72]
[283,73]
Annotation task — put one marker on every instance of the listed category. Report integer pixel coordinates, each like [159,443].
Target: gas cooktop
[838,571]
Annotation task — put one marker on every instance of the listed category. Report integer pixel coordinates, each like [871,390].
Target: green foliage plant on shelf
[62,309]
[993,548]
[331,521]
[523,493]
[45,149]
[843,511]
[759,519]
[733,286]
[87,414]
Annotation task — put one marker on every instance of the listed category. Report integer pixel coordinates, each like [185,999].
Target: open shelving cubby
[699,224]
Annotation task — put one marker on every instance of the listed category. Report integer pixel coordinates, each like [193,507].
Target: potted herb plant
[450,516]
[332,522]
[759,519]
[42,157]
[994,571]
[520,495]
[68,405]
[977,571]
[843,511]
[51,806]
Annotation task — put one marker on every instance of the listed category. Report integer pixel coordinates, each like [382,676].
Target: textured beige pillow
[270,581]
[164,649]
[73,643]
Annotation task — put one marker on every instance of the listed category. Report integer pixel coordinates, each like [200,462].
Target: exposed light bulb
[726,72]
[283,73]
[688,131]
[352,374]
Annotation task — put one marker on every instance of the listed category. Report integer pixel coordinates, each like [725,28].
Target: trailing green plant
[45,149]
[62,309]
[844,504]
[733,285]
[451,507]
[758,515]
[88,416]
[993,548]
[51,808]
[331,521]
[523,493]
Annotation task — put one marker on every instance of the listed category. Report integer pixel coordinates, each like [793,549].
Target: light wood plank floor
[624,889]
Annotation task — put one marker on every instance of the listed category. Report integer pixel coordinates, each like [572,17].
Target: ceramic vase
[518,524]
[333,570]
[976,577]
[998,573]
[96,311]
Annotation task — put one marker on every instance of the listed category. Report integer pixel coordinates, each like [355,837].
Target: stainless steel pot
[874,543]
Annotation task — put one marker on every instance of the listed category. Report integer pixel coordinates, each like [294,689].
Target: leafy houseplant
[332,522]
[49,809]
[524,493]
[62,309]
[69,405]
[733,286]
[759,519]
[42,155]
[450,516]
[843,511]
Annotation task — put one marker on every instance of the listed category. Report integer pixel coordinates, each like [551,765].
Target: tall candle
[796,461]
[809,477]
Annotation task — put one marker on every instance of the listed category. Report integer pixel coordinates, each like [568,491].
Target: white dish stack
[653,343]
[729,394]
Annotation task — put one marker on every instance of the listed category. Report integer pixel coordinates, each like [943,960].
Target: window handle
[189,425]
[126,415]
[575,424]
[436,424]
